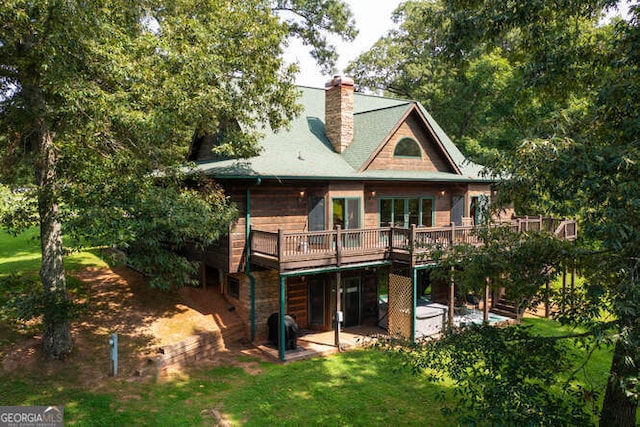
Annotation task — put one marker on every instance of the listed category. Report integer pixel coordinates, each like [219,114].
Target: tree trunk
[56,337]
[618,409]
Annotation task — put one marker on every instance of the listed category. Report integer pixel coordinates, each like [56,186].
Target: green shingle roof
[370,129]
[303,151]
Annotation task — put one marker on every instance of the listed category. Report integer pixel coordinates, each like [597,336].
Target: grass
[19,253]
[361,387]
[593,374]
[356,388]
[22,254]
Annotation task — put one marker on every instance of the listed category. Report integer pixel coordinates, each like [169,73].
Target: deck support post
[338,312]
[281,333]
[452,294]
[453,233]
[414,280]
[247,267]
[485,307]
[414,323]
[573,284]
[564,287]
[280,248]
[203,275]
[547,305]
[338,245]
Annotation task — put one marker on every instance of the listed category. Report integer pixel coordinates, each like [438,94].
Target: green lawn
[356,388]
[21,254]
[595,372]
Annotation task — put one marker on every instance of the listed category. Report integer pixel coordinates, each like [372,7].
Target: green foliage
[311,20]
[489,82]
[502,376]
[539,257]
[92,93]
[559,116]
[18,209]
[13,287]
[153,223]
[122,87]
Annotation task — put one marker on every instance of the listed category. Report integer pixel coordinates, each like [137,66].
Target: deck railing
[335,245]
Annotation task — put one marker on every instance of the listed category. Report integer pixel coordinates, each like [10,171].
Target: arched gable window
[407,147]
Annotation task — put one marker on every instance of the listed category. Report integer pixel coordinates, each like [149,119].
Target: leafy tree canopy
[99,103]
[488,77]
[546,94]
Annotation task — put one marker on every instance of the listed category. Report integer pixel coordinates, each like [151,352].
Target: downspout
[281,333]
[252,280]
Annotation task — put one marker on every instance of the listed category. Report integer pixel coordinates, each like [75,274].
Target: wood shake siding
[432,159]
[297,303]
[273,207]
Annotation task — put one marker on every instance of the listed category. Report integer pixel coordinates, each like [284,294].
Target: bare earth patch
[120,301]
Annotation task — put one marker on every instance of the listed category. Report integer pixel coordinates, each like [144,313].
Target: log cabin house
[333,211]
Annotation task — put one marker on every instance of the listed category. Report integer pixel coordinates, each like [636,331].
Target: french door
[404,211]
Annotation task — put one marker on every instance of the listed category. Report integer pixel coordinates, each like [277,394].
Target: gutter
[335,269]
[456,179]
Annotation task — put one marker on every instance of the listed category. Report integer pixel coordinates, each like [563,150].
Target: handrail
[291,246]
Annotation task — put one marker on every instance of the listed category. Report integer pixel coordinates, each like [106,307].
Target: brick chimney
[338,112]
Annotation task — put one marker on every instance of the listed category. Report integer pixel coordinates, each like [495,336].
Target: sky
[373,20]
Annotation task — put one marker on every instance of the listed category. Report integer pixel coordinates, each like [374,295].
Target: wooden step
[505,308]
[234,335]
[505,313]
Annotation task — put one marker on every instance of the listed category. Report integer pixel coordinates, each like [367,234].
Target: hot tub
[431,319]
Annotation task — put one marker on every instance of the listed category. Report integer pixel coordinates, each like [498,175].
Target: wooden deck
[287,252]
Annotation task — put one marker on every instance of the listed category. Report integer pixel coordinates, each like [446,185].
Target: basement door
[317,307]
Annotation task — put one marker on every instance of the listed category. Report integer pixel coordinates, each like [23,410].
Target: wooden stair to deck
[505,308]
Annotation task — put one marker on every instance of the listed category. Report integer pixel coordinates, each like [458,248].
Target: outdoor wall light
[301,196]
[442,192]
[372,195]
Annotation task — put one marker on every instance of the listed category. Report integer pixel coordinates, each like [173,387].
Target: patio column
[573,285]
[547,305]
[338,310]
[281,334]
[414,324]
[485,308]
[414,281]
[564,286]
[452,295]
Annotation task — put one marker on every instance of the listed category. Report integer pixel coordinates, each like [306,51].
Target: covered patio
[313,344]
[316,344]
